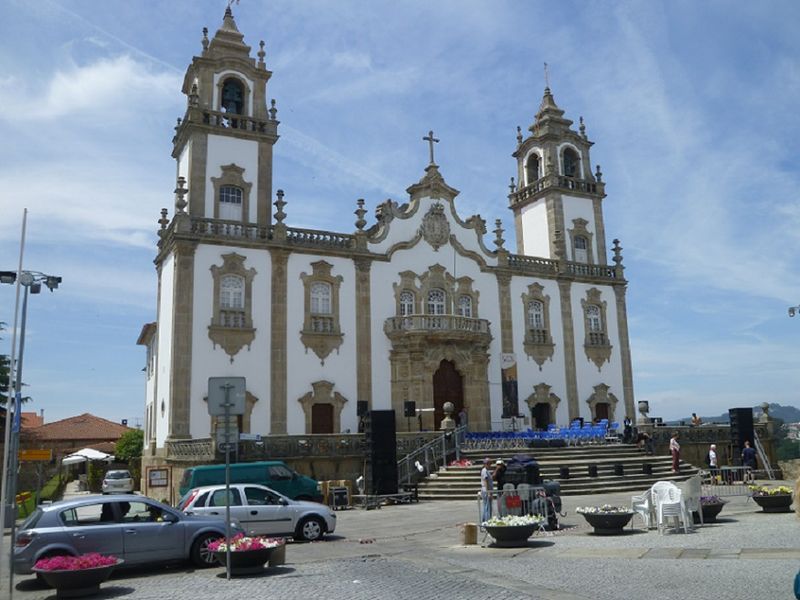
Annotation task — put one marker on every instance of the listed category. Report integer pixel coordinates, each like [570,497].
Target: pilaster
[363,331]
[506,323]
[198,166]
[279,317]
[263,206]
[565,293]
[625,349]
[600,230]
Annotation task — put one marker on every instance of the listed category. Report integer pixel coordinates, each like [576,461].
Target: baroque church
[416,305]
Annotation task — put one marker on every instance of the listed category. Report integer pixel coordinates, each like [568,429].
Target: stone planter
[710,512]
[608,523]
[247,562]
[77,583]
[511,536]
[775,503]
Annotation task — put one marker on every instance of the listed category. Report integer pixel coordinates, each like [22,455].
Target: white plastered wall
[165,306]
[252,363]
[304,366]
[586,371]
[579,208]
[224,150]
[535,235]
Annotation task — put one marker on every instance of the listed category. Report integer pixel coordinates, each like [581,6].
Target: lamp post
[32,282]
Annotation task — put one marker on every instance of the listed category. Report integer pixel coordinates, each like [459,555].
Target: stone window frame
[232,339]
[539,167]
[464,306]
[406,309]
[538,344]
[579,230]
[244,421]
[562,153]
[437,277]
[601,394]
[596,343]
[464,288]
[321,342]
[248,92]
[233,176]
[542,395]
[323,394]
[408,283]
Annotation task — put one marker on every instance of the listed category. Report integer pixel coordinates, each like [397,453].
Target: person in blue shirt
[749,458]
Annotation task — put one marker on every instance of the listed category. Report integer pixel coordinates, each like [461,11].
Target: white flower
[514,521]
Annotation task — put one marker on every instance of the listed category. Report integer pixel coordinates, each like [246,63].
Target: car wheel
[200,555]
[310,529]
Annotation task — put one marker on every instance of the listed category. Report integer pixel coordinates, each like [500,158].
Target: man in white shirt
[486,490]
[712,460]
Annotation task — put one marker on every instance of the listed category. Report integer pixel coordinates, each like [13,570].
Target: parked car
[118,482]
[134,528]
[262,511]
[275,474]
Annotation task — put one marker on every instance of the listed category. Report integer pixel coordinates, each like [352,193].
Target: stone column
[278,366]
[363,331]
[181,372]
[568,332]
[624,349]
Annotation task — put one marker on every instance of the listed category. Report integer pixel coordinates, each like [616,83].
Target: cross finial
[431,141]
[546,76]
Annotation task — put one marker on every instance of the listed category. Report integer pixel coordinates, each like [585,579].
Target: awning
[86,454]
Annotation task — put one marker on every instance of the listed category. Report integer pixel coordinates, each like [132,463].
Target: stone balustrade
[433,323]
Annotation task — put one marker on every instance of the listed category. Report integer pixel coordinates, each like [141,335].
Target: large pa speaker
[741,428]
[409,408]
[362,408]
[381,441]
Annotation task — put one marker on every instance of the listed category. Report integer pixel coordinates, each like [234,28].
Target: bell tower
[556,200]
[223,145]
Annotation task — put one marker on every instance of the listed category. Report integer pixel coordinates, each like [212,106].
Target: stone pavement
[415,552]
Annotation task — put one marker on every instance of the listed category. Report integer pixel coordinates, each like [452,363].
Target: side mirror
[284,502]
[169,518]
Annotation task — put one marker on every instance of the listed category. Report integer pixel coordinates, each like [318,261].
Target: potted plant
[772,499]
[248,554]
[76,576]
[512,531]
[606,519]
[711,507]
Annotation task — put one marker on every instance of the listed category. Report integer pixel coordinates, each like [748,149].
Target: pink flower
[240,543]
[75,563]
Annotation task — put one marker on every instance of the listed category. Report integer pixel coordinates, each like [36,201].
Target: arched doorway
[540,415]
[448,386]
[601,410]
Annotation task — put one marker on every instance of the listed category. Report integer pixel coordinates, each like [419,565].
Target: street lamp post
[32,282]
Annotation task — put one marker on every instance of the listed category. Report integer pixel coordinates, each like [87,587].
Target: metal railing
[728,481]
[762,456]
[430,456]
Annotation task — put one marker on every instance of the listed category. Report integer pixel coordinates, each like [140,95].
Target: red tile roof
[30,419]
[82,427]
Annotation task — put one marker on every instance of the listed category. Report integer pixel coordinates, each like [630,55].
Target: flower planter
[246,562]
[77,583]
[511,536]
[608,523]
[774,503]
[710,512]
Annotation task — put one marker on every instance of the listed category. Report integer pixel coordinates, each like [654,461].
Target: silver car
[262,511]
[134,528]
[118,482]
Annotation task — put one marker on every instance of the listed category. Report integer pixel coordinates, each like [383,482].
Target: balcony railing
[240,122]
[557,181]
[320,239]
[537,336]
[228,229]
[597,338]
[191,450]
[232,318]
[429,323]
[593,271]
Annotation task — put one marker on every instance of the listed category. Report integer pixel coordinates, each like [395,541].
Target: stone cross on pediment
[431,141]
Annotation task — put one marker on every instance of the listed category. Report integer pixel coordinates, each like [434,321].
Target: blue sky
[693,108]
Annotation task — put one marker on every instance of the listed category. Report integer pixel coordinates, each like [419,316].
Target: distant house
[73,433]
[28,420]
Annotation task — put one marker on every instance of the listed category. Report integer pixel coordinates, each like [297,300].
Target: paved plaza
[415,552]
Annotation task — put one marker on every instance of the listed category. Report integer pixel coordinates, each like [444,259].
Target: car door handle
[133,531]
[253,512]
[79,536]
[213,512]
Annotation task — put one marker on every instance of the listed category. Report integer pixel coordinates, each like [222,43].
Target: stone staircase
[463,483]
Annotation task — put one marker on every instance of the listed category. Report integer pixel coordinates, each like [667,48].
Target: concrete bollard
[278,556]
[469,534]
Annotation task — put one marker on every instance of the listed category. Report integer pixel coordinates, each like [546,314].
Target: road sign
[32,455]
[226,390]
[222,439]
[222,446]
[250,437]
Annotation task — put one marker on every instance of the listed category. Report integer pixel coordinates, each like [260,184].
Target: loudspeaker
[741,428]
[381,439]
[362,407]
[409,408]
[619,469]
[647,469]
[592,470]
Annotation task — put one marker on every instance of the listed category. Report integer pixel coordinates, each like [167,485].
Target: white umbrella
[86,454]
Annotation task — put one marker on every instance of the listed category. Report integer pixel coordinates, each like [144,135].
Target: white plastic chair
[643,506]
[524,491]
[669,504]
[691,490]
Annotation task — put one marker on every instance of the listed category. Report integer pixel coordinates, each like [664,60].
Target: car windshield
[118,475]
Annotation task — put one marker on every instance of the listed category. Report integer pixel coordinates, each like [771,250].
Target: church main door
[448,386]
[541,415]
[601,410]
[322,418]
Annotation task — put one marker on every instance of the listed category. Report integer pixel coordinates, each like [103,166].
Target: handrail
[763,456]
[430,455]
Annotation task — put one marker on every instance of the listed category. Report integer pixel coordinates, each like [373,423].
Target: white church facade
[416,304]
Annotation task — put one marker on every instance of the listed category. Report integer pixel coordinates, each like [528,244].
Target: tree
[130,445]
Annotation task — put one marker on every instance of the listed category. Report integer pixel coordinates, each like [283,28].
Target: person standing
[486,491]
[713,465]
[675,450]
[627,430]
[749,459]
[499,474]
[696,420]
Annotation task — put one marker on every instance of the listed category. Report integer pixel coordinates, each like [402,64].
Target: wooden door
[541,415]
[448,386]
[322,418]
[601,410]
